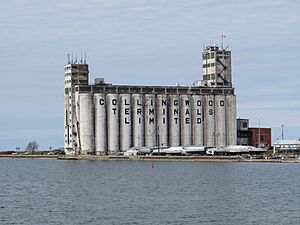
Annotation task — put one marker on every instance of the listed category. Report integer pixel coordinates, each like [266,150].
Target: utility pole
[258,133]
[282,136]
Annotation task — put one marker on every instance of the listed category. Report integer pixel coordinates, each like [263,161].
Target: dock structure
[105,119]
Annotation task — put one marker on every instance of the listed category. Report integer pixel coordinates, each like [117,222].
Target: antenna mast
[222,43]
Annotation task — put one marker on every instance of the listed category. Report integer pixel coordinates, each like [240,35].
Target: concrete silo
[125,122]
[220,120]
[113,131]
[86,124]
[100,123]
[174,120]
[186,120]
[162,119]
[231,119]
[197,120]
[209,120]
[150,121]
[138,126]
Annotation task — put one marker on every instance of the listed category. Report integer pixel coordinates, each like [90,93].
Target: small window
[245,124]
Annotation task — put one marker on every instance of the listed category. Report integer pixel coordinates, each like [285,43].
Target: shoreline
[152,158]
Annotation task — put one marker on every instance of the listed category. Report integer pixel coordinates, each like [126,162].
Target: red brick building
[264,140]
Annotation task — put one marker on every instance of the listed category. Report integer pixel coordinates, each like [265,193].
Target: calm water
[132,192]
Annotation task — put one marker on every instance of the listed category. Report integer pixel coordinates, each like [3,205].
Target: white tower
[216,67]
[75,73]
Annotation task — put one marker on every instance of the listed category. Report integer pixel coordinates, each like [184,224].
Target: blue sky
[144,42]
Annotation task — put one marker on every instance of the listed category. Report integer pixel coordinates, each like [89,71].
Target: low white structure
[287,147]
[234,149]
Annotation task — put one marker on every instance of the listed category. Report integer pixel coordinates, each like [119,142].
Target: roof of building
[288,142]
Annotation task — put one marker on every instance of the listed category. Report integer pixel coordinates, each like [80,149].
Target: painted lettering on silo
[125,122]
[209,121]
[162,119]
[197,118]
[150,121]
[185,120]
[174,121]
[220,120]
[113,123]
[138,120]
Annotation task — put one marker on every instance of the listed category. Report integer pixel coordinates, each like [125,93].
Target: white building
[105,119]
[287,147]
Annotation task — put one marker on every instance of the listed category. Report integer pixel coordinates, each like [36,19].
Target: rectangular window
[212,55]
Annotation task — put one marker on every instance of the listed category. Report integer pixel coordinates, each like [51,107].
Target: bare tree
[32,146]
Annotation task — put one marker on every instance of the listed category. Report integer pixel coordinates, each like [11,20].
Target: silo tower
[216,67]
[75,73]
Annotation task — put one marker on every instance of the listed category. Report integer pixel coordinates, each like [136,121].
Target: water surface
[41,191]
